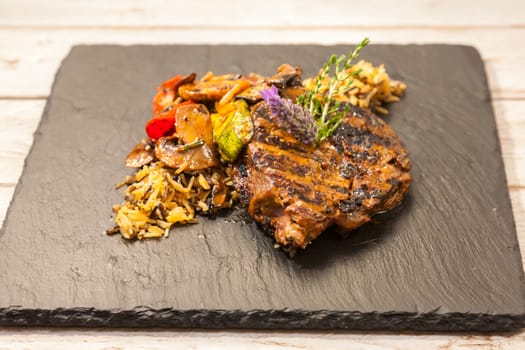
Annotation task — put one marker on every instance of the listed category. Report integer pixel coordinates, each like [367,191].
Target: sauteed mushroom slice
[192,148]
[143,153]
[287,75]
[211,90]
[194,122]
[251,95]
[190,157]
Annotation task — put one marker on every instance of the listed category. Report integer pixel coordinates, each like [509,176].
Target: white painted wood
[49,339]
[30,58]
[6,193]
[517,197]
[510,118]
[19,120]
[257,13]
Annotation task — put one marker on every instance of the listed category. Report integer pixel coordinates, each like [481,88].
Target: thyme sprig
[323,107]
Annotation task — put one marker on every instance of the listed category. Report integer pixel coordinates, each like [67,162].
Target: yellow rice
[158,197]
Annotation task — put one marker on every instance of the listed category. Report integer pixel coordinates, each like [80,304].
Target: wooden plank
[29,62]
[270,13]
[98,339]
[6,193]
[517,197]
[19,120]
[510,118]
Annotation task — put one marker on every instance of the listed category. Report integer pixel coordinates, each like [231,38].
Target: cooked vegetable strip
[194,144]
[207,76]
[240,86]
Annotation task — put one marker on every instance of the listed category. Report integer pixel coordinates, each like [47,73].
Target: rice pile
[371,87]
[158,197]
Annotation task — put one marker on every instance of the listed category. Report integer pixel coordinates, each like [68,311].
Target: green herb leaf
[325,110]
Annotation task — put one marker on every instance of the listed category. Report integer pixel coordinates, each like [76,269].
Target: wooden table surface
[36,35]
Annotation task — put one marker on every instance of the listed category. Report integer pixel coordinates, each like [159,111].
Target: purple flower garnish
[270,94]
[291,117]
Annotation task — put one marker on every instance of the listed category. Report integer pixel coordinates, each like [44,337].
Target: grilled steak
[298,191]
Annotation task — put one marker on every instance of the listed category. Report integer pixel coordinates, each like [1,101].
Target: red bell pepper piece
[167,92]
[163,124]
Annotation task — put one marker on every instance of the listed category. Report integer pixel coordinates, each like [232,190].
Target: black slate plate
[448,260]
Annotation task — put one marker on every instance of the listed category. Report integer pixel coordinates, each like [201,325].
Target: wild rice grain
[158,197]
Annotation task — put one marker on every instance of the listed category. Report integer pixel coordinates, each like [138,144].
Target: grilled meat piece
[298,191]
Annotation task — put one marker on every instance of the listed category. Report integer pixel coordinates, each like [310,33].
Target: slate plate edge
[145,317]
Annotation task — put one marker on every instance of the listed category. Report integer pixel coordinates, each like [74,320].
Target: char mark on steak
[299,191]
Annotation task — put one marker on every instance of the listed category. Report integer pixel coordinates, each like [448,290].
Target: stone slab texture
[446,260]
